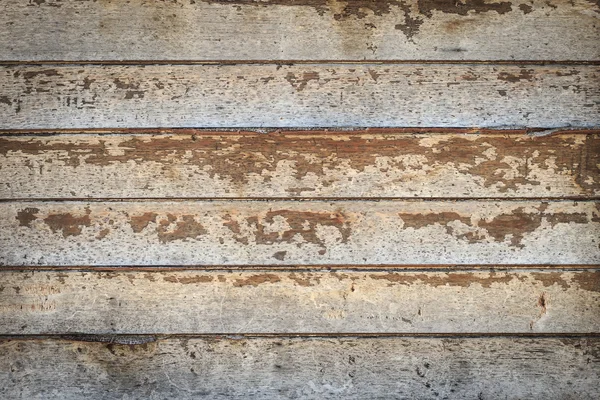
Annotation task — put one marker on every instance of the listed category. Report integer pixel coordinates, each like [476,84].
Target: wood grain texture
[278,368]
[299,30]
[402,163]
[94,96]
[288,232]
[217,302]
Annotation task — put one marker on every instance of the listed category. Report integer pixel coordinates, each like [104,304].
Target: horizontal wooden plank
[299,30]
[278,368]
[198,164]
[95,96]
[216,302]
[289,232]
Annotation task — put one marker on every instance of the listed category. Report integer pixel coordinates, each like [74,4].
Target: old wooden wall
[325,199]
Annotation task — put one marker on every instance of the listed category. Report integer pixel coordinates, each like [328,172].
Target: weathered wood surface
[402,163]
[302,30]
[95,96]
[292,232]
[216,302]
[279,368]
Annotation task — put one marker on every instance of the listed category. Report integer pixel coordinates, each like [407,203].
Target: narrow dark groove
[294,62]
[407,268]
[199,131]
[146,338]
[583,199]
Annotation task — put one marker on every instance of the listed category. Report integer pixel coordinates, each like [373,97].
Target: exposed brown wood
[288,232]
[340,302]
[549,368]
[300,164]
[299,29]
[90,96]
[305,268]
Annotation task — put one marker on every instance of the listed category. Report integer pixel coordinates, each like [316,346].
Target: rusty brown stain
[304,279]
[351,8]
[300,82]
[514,224]
[186,280]
[448,279]
[550,279]
[417,221]
[140,222]
[524,75]
[526,8]
[103,233]
[234,226]
[464,7]
[239,158]
[413,15]
[185,228]
[170,227]
[340,275]
[302,223]
[108,275]
[589,280]
[27,216]
[67,223]
[256,280]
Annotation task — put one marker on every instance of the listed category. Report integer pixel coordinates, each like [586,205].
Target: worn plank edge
[583,199]
[294,62]
[147,338]
[309,268]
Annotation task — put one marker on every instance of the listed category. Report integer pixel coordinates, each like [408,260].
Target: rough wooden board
[297,164]
[215,302]
[291,232]
[279,368]
[299,30]
[94,96]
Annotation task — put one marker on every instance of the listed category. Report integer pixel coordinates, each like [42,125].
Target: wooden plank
[216,302]
[299,30]
[280,368]
[392,163]
[288,232]
[95,96]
